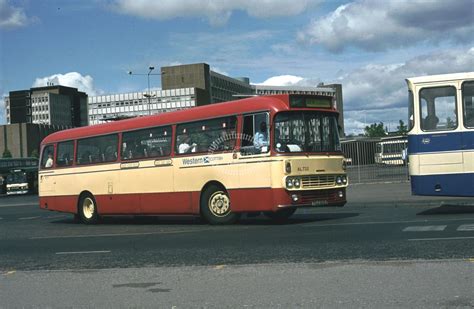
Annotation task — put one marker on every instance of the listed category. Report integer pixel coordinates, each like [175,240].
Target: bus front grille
[318,181]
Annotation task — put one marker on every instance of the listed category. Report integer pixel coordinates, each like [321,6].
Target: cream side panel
[442,163]
[147,177]
[414,165]
[255,172]
[192,173]
[98,179]
[441,158]
[468,158]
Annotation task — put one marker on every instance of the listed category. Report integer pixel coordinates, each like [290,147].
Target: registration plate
[319,203]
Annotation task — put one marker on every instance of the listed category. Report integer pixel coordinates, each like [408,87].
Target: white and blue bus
[441,134]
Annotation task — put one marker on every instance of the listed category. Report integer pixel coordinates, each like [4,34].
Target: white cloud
[11,17]
[380,25]
[375,93]
[71,79]
[217,12]
[378,93]
[219,70]
[290,80]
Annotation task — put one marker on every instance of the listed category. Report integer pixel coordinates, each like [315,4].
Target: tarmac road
[384,249]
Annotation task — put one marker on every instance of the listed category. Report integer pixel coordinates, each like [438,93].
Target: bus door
[439,147]
[467,96]
[254,157]
[46,175]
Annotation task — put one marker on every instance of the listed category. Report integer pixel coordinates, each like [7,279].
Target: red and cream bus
[270,154]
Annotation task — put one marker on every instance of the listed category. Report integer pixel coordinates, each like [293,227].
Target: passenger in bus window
[139,150]
[185,146]
[49,161]
[227,139]
[260,139]
[430,122]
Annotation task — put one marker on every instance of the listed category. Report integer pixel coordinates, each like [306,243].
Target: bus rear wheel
[216,206]
[88,209]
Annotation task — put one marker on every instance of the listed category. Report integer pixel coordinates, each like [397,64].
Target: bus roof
[440,78]
[273,103]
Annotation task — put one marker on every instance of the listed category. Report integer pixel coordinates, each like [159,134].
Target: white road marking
[118,235]
[83,252]
[466,227]
[29,218]
[441,238]
[13,205]
[383,222]
[426,228]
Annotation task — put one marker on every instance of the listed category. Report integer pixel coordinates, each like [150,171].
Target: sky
[368,46]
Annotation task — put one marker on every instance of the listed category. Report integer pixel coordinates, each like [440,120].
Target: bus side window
[206,136]
[256,134]
[438,108]
[146,143]
[65,153]
[97,149]
[468,103]
[47,157]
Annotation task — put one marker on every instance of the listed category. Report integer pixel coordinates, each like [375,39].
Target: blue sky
[370,46]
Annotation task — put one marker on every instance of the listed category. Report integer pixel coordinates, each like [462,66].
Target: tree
[7,153]
[375,130]
[402,129]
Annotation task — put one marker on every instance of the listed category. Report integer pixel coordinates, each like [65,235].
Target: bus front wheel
[88,209]
[216,206]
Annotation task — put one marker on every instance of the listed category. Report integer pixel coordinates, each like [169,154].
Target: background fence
[368,163]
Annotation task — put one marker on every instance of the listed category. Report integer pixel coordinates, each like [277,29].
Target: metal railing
[366,165]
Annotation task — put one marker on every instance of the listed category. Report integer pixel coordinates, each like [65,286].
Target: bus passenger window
[438,108]
[206,136]
[97,149]
[65,153]
[146,143]
[256,134]
[47,157]
[468,103]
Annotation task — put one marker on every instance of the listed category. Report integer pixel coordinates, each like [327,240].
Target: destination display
[311,102]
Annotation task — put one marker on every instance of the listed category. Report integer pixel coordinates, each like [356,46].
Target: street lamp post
[148,94]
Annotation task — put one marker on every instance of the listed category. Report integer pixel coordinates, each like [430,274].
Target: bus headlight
[339,180]
[344,180]
[296,182]
[293,183]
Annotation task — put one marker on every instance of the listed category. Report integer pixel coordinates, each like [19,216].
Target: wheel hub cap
[219,204]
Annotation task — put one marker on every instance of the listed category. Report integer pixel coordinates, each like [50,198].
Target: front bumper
[312,198]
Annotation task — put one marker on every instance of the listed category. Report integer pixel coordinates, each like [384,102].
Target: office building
[126,105]
[51,105]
